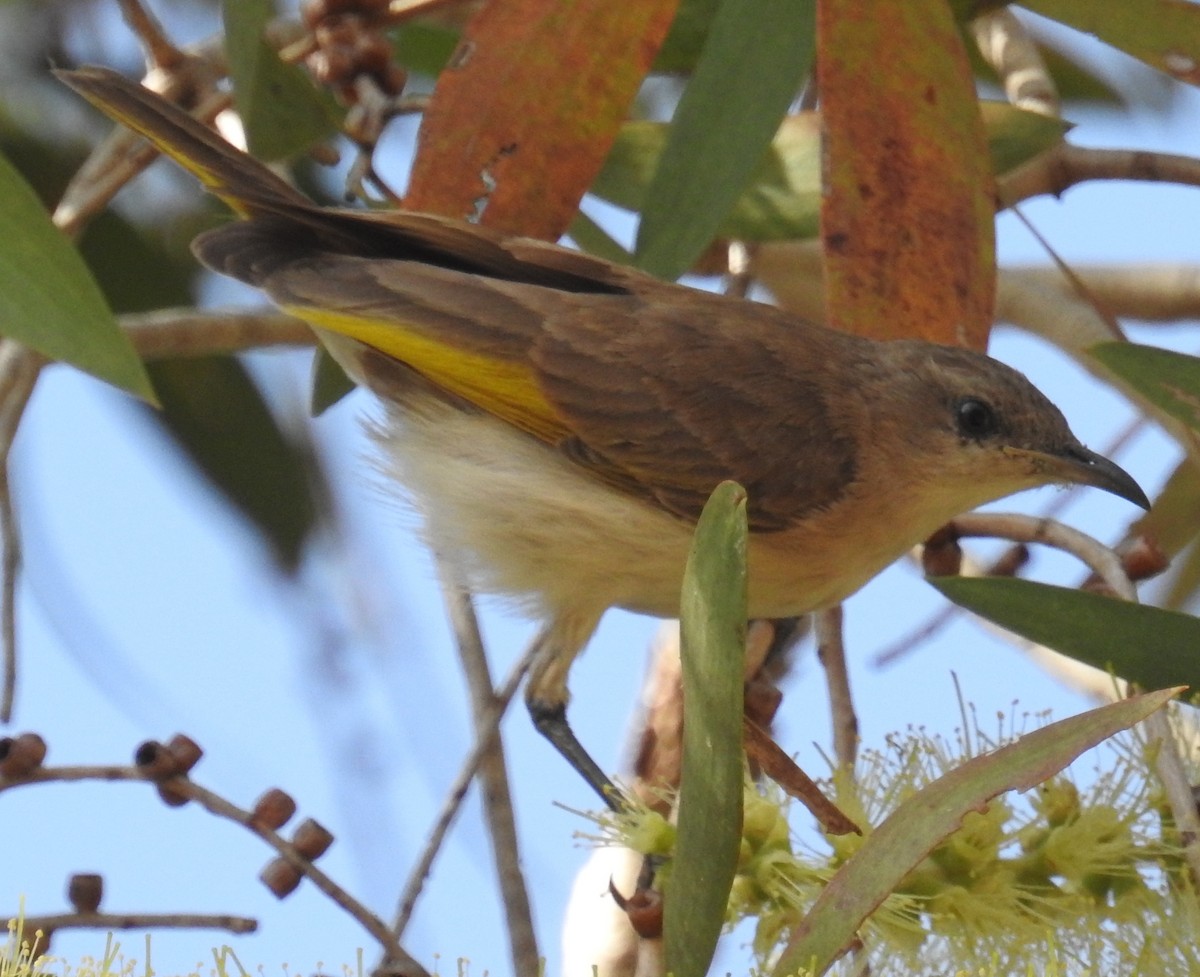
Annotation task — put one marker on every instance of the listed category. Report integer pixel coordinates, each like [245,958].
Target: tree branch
[493,775]
[1064,166]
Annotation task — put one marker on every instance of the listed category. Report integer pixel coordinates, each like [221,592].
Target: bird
[558,420]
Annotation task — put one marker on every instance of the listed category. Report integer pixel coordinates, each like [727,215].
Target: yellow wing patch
[503,388]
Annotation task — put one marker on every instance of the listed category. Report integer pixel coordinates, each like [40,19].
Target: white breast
[520,520]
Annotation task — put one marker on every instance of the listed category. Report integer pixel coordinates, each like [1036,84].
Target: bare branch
[1064,166]
[1176,787]
[161,52]
[831,651]
[19,369]
[398,960]
[168,333]
[454,797]
[493,775]
[1034,297]
[139,921]
[1100,559]
[1150,292]
[1058,314]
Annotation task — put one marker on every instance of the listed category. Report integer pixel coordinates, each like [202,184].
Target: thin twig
[169,333]
[1176,788]
[1150,292]
[19,369]
[831,651]
[396,954]
[138,921]
[1102,314]
[493,775]
[398,960]
[1019,528]
[161,52]
[454,797]
[1064,166]
[1102,560]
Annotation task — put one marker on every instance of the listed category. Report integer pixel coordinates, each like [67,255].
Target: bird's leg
[546,697]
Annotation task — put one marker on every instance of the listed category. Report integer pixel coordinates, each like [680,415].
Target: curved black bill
[1084,467]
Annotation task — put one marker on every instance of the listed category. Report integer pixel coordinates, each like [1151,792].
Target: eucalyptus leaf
[49,300]
[1165,34]
[1016,136]
[689,30]
[713,653]
[425,48]
[1150,646]
[282,112]
[594,239]
[757,54]
[330,382]
[782,200]
[1169,380]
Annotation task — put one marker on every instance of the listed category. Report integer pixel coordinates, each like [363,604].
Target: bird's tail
[244,183]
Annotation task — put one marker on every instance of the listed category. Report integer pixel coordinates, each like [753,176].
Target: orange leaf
[525,112]
[907,219]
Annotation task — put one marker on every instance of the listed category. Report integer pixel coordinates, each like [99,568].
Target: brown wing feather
[639,390]
[629,372]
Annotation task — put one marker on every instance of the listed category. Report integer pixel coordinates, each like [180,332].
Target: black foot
[551,722]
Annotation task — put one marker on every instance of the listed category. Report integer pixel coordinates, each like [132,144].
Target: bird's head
[980,430]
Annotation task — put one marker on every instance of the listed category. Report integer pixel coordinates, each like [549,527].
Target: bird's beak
[1079,466]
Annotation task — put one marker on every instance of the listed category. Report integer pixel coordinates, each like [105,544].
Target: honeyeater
[559,420]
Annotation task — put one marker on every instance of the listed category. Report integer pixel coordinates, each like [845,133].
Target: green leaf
[757,54]
[924,820]
[330,382]
[282,112]
[782,200]
[1016,136]
[713,653]
[1165,34]
[685,42]
[1146,645]
[594,239]
[50,302]
[1170,381]
[425,48]
[217,416]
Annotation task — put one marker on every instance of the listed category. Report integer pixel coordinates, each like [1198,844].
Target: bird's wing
[454,328]
[623,383]
[683,393]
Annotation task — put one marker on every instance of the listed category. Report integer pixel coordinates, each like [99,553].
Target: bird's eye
[975,418]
